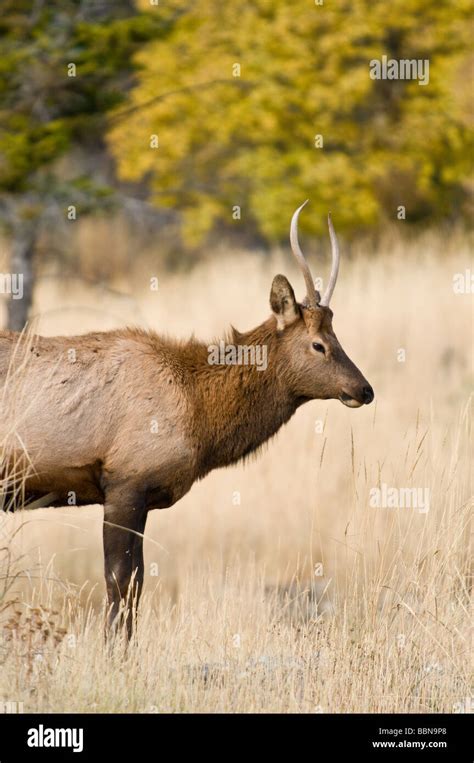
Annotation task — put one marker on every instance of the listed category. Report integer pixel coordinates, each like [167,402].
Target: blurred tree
[64,65]
[270,103]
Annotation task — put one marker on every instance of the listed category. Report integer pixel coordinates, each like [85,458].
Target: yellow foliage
[238,94]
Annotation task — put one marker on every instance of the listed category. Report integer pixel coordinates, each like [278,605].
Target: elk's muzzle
[364,396]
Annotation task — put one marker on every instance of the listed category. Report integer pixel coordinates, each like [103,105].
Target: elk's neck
[240,397]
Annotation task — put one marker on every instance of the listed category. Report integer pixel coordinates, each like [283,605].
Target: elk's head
[310,356]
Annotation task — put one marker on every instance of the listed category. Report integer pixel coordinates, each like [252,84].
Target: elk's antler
[310,299]
[312,296]
[335,264]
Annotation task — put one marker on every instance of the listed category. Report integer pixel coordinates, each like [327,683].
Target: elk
[130,419]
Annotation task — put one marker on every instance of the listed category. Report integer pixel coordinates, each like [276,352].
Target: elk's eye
[318,347]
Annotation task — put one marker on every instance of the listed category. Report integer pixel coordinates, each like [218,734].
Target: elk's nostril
[368,394]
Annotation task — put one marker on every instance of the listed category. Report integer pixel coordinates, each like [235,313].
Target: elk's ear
[283,302]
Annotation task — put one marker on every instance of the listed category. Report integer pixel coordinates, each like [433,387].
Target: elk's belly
[71,486]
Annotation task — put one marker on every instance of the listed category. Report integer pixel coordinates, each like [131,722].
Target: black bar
[144,737]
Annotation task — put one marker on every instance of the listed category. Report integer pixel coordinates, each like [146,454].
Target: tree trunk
[21,266]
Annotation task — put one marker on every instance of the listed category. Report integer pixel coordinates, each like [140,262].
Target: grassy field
[276,585]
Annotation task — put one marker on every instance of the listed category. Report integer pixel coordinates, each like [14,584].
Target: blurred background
[135,132]
[151,157]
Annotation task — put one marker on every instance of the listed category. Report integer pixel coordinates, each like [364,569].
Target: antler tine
[335,265]
[300,258]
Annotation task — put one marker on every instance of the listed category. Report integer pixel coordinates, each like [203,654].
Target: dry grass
[276,586]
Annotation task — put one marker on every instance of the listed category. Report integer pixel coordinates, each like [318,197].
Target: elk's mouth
[351,402]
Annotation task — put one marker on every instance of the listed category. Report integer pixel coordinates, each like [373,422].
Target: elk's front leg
[124,515]
[138,566]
